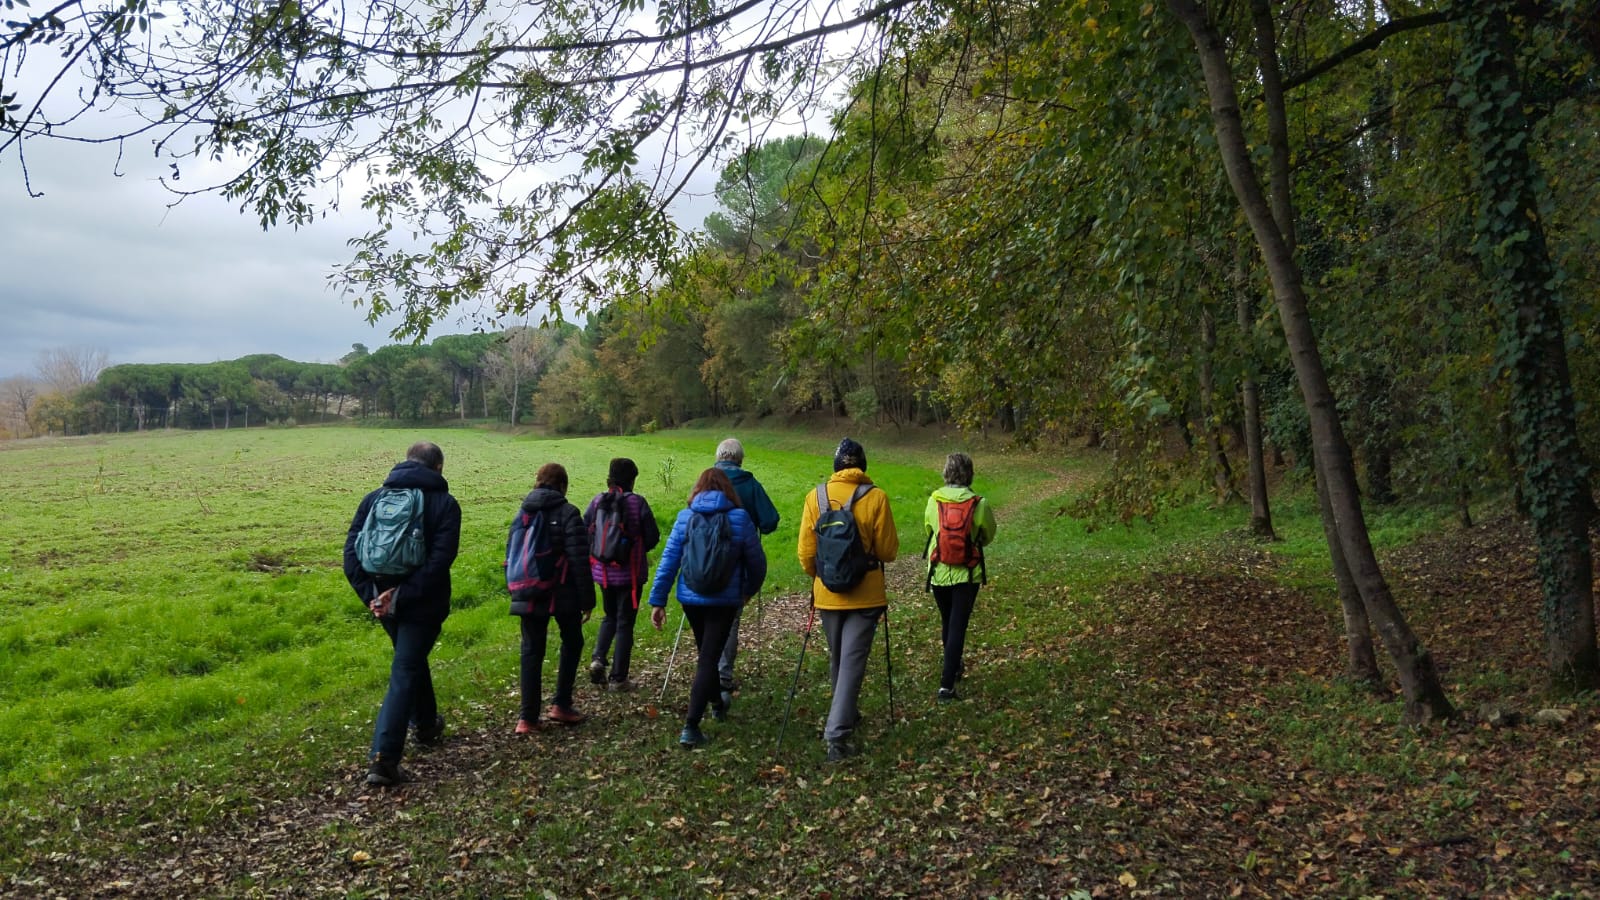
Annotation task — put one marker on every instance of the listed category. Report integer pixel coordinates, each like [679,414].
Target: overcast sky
[103,261]
[100,262]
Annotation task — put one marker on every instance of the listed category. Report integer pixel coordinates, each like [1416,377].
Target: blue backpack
[842,560]
[534,565]
[708,553]
[390,541]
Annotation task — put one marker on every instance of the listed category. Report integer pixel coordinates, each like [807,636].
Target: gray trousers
[849,634]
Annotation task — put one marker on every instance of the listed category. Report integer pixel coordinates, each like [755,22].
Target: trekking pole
[758,631]
[888,660]
[675,641]
[788,704]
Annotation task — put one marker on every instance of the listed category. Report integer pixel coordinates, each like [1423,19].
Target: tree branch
[1370,42]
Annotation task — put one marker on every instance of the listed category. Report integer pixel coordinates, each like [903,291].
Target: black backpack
[708,553]
[608,534]
[842,560]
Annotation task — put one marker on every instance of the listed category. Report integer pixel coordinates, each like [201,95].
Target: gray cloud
[100,261]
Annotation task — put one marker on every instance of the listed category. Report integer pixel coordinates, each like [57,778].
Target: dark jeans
[711,625]
[955,611]
[621,613]
[410,697]
[535,627]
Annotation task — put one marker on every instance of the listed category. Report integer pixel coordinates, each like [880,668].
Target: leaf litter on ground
[1210,749]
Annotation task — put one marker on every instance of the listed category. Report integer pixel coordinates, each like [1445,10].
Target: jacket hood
[851,476]
[542,498]
[952,493]
[710,502]
[735,474]
[411,474]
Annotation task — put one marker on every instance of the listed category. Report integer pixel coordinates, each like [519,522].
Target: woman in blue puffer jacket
[714,555]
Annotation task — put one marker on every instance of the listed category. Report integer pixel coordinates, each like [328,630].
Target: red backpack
[952,544]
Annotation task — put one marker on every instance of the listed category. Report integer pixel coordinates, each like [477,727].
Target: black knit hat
[623,473]
[850,455]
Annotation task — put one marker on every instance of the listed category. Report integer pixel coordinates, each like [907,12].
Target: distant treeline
[617,373]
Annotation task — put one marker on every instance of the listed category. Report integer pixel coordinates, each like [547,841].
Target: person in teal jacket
[753,498]
[959,525]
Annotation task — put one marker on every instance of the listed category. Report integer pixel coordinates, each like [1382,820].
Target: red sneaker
[525,727]
[564,716]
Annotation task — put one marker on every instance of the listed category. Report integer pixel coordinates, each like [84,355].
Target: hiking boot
[597,672]
[431,735]
[621,687]
[947,695]
[525,727]
[839,751]
[386,773]
[719,711]
[726,698]
[691,737]
[563,715]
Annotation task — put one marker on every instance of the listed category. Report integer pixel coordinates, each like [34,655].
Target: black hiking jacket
[571,536]
[423,595]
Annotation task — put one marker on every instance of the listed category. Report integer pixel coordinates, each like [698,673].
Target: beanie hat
[622,474]
[850,455]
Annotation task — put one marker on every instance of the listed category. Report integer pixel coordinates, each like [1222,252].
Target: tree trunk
[1526,287]
[1210,423]
[1250,400]
[1425,697]
[1361,658]
[1380,469]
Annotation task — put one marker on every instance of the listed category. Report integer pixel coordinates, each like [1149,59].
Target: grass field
[183,668]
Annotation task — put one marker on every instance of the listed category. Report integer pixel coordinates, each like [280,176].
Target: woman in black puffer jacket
[569,602]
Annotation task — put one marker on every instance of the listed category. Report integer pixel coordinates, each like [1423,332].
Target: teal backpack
[390,541]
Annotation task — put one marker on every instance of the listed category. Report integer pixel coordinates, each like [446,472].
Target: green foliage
[667,473]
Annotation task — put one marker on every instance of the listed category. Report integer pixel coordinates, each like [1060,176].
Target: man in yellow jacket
[849,614]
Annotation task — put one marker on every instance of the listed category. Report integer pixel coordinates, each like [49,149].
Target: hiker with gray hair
[754,500]
[958,525]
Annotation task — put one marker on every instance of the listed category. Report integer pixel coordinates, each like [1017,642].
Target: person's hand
[658,615]
[383,604]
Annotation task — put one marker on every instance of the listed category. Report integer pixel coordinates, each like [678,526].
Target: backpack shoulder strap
[860,491]
[822,498]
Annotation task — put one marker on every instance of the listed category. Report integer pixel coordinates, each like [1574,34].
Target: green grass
[169,588]
[180,645]
[172,587]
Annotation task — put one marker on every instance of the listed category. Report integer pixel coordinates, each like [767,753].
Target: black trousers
[955,611]
[535,628]
[711,625]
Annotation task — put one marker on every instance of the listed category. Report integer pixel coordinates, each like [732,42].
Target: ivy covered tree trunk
[1425,699]
[1526,288]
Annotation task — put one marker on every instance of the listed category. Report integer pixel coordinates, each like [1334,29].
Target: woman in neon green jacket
[959,525]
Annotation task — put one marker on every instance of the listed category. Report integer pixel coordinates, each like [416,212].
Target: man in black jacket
[411,608]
